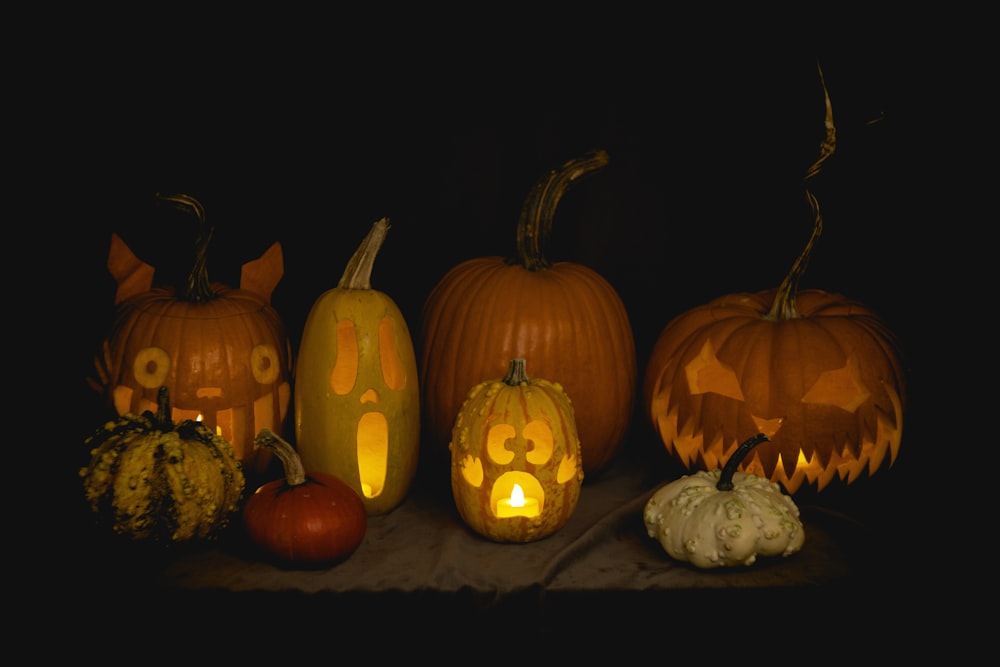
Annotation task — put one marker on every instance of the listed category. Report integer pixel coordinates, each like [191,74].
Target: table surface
[422,550]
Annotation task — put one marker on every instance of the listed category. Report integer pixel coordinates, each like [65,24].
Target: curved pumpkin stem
[295,473]
[358,274]
[535,223]
[784,306]
[198,287]
[725,482]
[516,373]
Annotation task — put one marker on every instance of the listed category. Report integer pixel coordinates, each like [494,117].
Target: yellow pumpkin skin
[523,428]
[356,371]
[151,480]
[827,387]
[564,317]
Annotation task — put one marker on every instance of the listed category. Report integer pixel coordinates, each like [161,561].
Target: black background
[306,129]
[308,141]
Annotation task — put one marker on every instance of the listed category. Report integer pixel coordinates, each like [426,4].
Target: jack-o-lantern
[357,407]
[564,316]
[223,353]
[819,374]
[516,468]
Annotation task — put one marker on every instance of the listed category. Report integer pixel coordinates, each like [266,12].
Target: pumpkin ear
[133,275]
[262,275]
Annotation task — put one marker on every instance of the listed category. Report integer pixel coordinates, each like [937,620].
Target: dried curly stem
[784,305]
[198,288]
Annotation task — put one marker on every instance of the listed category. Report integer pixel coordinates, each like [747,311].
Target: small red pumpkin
[312,519]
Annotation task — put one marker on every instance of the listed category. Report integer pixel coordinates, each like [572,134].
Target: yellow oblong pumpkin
[356,395]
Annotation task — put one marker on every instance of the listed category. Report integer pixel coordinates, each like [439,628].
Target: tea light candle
[517,504]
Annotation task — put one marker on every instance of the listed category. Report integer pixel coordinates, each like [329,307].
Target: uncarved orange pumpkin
[563,316]
[819,374]
[223,352]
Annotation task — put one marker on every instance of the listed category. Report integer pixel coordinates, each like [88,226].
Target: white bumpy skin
[698,523]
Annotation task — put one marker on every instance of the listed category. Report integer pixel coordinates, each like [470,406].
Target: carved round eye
[265,362]
[151,366]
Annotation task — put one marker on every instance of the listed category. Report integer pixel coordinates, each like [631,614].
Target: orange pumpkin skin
[223,353]
[827,387]
[567,319]
[563,316]
[226,360]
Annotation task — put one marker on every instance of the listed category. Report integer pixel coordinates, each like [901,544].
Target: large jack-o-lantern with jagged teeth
[516,469]
[819,374]
[223,353]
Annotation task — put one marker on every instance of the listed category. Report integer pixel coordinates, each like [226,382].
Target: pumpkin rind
[697,523]
[827,387]
[723,517]
[383,385]
[223,352]
[565,317]
[151,480]
[559,473]
[818,373]
[307,520]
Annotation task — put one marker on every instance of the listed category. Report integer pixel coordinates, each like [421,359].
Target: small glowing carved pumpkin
[819,374]
[357,401]
[223,353]
[516,468]
[566,317]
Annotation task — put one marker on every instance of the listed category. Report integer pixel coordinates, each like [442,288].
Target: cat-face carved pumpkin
[516,467]
[226,360]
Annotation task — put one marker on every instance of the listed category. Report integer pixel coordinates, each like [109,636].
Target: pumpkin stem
[725,482]
[163,418]
[516,373]
[198,289]
[784,306]
[535,223]
[358,274]
[295,473]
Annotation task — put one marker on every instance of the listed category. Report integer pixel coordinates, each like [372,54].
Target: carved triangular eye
[842,388]
[706,374]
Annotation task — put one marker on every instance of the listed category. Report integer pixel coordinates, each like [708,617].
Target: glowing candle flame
[517,504]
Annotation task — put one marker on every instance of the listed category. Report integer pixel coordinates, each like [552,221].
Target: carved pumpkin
[515,458]
[357,400]
[564,316]
[818,373]
[223,353]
